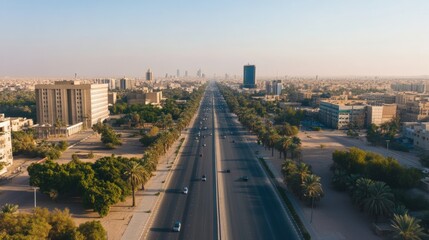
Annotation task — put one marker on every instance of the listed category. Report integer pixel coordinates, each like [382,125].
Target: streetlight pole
[35,190]
[387,144]
[312,203]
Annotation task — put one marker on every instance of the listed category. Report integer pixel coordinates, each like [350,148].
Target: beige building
[19,123]
[5,143]
[415,111]
[142,97]
[380,114]
[378,98]
[137,97]
[112,97]
[153,98]
[71,102]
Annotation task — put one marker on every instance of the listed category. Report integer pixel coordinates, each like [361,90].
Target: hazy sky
[300,37]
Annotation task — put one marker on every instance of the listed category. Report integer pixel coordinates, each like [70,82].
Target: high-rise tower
[149,75]
[249,76]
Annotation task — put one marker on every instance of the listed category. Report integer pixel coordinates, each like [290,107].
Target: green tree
[361,191]
[93,230]
[134,173]
[406,227]
[379,200]
[63,226]
[312,190]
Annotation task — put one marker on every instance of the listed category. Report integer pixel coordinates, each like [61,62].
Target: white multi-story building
[70,102]
[6,157]
[418,133]
[339,114]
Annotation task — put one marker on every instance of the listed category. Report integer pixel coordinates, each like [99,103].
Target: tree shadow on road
[160,229]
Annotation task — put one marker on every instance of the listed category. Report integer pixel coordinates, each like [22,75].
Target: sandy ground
[16,188]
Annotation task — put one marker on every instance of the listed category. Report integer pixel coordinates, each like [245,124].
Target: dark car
[228,171]
[245,178]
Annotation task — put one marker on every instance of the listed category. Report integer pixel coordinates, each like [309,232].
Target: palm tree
[134,174]
[361,191]
[9,208]
[379,200]
[407,227]
[288,169]
[302,170]
[272,139]
[284,144]
[312,189]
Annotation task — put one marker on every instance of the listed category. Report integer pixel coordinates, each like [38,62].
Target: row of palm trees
[267,134]
[139,172]
[302,182]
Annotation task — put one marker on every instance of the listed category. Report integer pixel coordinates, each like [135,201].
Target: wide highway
[225,206]
[196,210]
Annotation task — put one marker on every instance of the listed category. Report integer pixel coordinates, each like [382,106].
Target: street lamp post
[387,144]
[35,190]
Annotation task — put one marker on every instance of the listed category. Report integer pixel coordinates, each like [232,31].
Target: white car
[177,226]
[185,190]
[204,145]
[425,170]
[204,178]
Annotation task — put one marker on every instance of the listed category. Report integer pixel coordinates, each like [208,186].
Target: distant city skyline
[109,38]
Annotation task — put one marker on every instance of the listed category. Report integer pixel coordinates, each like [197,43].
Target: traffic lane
[171,208]
[199,211]
[262,201]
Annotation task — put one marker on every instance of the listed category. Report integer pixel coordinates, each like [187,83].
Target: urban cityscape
[220,120]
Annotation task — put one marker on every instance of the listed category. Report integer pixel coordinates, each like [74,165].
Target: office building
[19,123]
[5,143]
[409,87]
[126,84]
[111,98]
[273,87]
[415,111]
[417,133]
[71,102]
[249,80]
[149,75]
[380,114]
[111,83]
[340,114]
[153,98]
[199,73]
[141,97]
[277,87]
[178,73]
[268,87]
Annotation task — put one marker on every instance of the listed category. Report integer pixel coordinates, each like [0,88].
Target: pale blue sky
[301,37]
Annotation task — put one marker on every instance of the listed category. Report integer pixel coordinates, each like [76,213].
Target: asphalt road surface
[250,209]
[197,209]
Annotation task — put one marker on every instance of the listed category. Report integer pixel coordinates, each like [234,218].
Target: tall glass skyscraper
[249,76]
